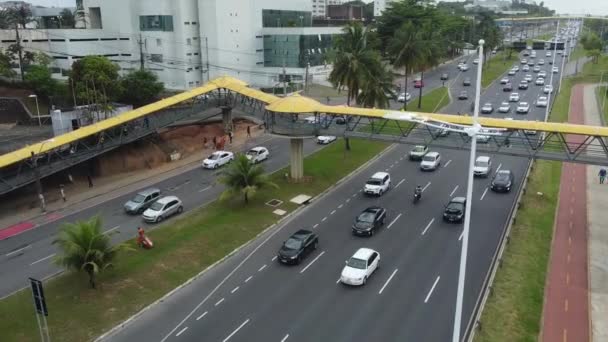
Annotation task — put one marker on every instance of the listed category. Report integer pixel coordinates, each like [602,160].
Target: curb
[279,224]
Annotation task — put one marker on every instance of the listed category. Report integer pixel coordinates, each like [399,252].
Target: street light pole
[37,174]
[553,64]
[467,213]
[37,108]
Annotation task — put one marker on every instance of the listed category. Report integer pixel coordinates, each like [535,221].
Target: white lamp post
[37,108]
[467,213]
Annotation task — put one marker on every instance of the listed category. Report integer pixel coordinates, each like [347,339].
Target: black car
[454,211]
[466,82]
[444,76]
[463,95]
[507,87]
[369,221]
[502,182]
[298,246]
[523,85]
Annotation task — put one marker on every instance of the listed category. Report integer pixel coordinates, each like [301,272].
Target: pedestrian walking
[42,203]
[230,137]
[602,175]
[147,122]
[70,178]
[90,181]
[328,100]
[248,131]
[62,191]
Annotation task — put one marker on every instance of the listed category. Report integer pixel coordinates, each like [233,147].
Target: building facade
[319,7]
[187,42]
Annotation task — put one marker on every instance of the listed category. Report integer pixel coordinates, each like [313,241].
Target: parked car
[217,159]
[141,201]
[418,152]
[299,244]
[163,208]
[370,220]
[378,184]
[503,181]
[257,154]
[360,267]
[326,139]
[454,210]
[487,108]
[430,162]
[523,108]
[482,166]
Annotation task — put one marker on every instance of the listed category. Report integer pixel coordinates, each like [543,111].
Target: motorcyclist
[418,191]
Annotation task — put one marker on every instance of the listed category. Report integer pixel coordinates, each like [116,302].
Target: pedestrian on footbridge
[602,175]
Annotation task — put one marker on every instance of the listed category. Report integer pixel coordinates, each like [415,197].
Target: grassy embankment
[183,247]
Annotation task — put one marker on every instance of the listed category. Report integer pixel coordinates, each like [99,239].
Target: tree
[5,65]
[242,177]
[84,247]
[140,87]
[42,58]
[96,81]
[407,50]
[40,79]
[377,90]
[67,19]
[594,54]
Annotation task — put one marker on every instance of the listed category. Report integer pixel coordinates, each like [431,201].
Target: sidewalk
[80,196]
[566,302]
[597,216]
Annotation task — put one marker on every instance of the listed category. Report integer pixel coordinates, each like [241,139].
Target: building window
[189,54]
[188,41]
[95,18]
[194,23]
[186,23]
[159,42]
[280,18]
[156,58]
[156,23]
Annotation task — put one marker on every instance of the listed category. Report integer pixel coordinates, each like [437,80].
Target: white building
[186,42]
[380,6]
[319,7]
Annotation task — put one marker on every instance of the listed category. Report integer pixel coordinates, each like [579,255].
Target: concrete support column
[296,158]
[227,118]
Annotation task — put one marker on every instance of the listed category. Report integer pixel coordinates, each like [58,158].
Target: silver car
[163,208]
[141,201]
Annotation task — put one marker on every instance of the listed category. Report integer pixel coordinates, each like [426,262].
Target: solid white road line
[201,316]
[432,288]
[18,250]
[181,331]
[428,226]
[401,181]
[261,268]
[248,279]
[453,191]
[219,302]
[285,338]
[236,330]
[448,163]
[388,281]
[484,194]
[393,221]
[499,166]
[234,290]
[312,262]
[274,258]
[426,186]
[111,229]
[47,257]
[205,189]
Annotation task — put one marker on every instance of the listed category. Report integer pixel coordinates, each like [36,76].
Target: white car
[505,107]
[523,108]
[378,184]
[476,61]
[418,152]
[511,72]
[482,166]
[528,78]
[430,162]
[548,54]
[514,97]
[217,159]
[542,74]
[163,208]
[482,138]
[326,139]
[524,61]
[360,267]
[540,81]
[504,80]
[487,108]
[541,62]
[555,70]
[542,101]
[515,67]
[536,69]
[257,154]
[464,67]
[403,97]
[525,68]
[548,89]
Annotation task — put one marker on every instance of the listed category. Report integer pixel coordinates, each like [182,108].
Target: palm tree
[354,60]
[378,89]
[242,177]
[430,53]
[406,47]
[84,247]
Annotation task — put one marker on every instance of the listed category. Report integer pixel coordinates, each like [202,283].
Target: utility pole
[284,79]
[140,42]
[306,74]
[19,50]
[207,56]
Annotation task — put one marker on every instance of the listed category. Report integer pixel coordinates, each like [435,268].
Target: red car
[418,84]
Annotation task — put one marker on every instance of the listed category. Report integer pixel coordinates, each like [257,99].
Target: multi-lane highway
[251,297]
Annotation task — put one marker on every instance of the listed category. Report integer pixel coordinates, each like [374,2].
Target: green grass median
[183,247]
[496,66]
[513,311]
[602,96]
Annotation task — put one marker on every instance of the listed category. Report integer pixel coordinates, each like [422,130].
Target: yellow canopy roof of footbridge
[295,104]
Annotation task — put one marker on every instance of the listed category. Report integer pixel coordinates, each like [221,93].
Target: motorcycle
[417,196]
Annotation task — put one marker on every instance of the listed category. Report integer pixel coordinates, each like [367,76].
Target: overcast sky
[594,7]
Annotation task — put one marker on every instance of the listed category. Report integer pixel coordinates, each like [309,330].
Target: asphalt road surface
[251,297]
